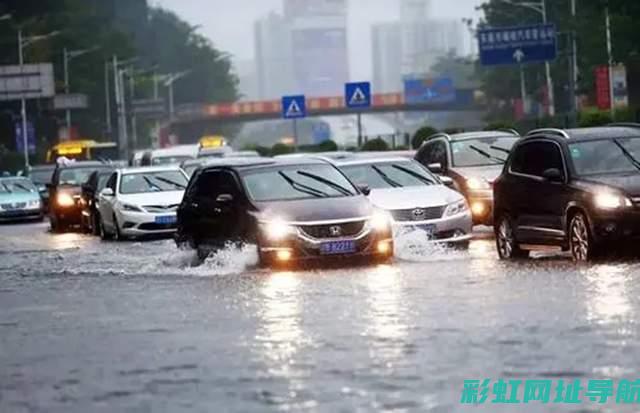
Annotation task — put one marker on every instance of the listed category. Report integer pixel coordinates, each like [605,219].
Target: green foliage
[281,149]
[498,125]
[422,134]
[325,146]
[262,150]
[594,118]
[377,144]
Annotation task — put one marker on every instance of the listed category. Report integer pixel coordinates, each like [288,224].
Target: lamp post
[68,56]
[168,80]
[25,41]
[540,7]
[609,59]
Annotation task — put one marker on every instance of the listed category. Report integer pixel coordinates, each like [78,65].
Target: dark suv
[578,189]
[293,209]
[473,160]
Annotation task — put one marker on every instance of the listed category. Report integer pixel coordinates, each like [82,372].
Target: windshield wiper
[503,150]
[414,174]
[302,188]
[170,182]
[385,177]
[486,154]
[339,188]
[627,154]
[152,185]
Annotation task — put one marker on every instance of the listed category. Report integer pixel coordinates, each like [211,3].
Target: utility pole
[107,96]
[547,68]
[69,55]
[23,107]
[610,60]
[134,123]
[574,60]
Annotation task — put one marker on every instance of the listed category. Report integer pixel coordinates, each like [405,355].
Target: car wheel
[104,235]
[506,243]
[95,224]
[581,243]
[117,235]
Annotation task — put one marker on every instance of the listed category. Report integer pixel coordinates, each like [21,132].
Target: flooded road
[99,326]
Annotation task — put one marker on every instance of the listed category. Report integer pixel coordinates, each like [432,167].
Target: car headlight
[608,200]
[34,204]
[131,208]
[277,229]
[65,200]
[380,221]
[456,208]
[477,183]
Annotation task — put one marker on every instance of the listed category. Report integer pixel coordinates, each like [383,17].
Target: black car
[41,175]
[578,189]
[90,216]
[293,209]
[473,160]
[65,208]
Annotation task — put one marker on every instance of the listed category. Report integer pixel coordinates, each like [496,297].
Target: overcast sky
[229,23]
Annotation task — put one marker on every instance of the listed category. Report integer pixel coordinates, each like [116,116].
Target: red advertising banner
[603,88]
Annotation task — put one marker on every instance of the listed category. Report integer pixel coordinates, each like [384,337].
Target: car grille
[151,226]
[160,208]
[417,214]
[17,205]
[347,229]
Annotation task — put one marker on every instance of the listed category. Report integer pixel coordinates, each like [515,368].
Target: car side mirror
[435,168]
[552,175]
[364,188]
[106,192]
[224,198]
[446,181]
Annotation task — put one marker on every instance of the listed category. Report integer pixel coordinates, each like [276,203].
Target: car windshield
[75,176]
[11,186]
[481,151]
[41,176]
[297,182]
[144,182]
[169,160]
[389,175]
[606,156]
[190,169]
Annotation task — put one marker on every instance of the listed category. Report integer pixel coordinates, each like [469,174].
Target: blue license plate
[166,219]
[337,247]
[430,229]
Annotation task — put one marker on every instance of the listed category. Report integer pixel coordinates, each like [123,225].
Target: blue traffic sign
[517,45]
[294,107]
[437,90]
[357,95]
[31,137]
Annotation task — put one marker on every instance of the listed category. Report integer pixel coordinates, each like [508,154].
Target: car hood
[489,172]
[18,197]
[629,183]
[413,197]
[153,198]
[315,209]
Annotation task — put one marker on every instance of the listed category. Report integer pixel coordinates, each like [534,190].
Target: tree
[281,149]
[377,144]
[422,134]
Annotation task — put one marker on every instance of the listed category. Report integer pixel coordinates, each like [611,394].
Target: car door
[106,203]
[537,202]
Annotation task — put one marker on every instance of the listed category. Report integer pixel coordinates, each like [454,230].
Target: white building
[273,58]
[387,56]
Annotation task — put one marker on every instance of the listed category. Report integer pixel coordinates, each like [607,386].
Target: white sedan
[413,197]
[141,201]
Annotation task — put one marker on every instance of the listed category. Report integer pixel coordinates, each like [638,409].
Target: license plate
[166,219]
[430,229]
[337,247]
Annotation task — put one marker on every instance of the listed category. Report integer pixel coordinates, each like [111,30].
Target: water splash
[413,245]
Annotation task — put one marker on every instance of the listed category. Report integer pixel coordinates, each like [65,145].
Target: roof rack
[625,124]
[554,131]
[509,130]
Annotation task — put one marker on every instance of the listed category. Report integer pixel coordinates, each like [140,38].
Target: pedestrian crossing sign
[294,107]
[357,95]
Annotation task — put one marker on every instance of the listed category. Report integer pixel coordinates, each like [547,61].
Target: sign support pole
[359,120]
[295,133]
[523,90]
[23,108]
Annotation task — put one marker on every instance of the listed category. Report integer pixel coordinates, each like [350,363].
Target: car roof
[149,169]
[587,134]
[253,163]
[84,164]
[476,135]
[44,167]
[371,160]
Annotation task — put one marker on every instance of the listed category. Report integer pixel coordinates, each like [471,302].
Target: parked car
[413,197]
[578,189]
[90,217]
[19,199]
[293,209]
[141,201]
[41,175]
[65,208]
[473,160]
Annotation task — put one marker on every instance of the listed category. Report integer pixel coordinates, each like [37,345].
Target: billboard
[27,81]
[603,87]
[320,60]
[620,89]
[437,90]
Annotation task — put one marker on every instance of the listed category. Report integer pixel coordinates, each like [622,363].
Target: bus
[83,150]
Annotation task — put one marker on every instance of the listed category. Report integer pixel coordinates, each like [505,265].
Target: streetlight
[22,43]
[540,7]
[610,59]
[69,55]
[168,80]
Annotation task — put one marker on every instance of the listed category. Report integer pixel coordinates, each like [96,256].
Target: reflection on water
[608,294]
[387,313]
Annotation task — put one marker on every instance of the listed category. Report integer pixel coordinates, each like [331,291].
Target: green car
[19,199]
